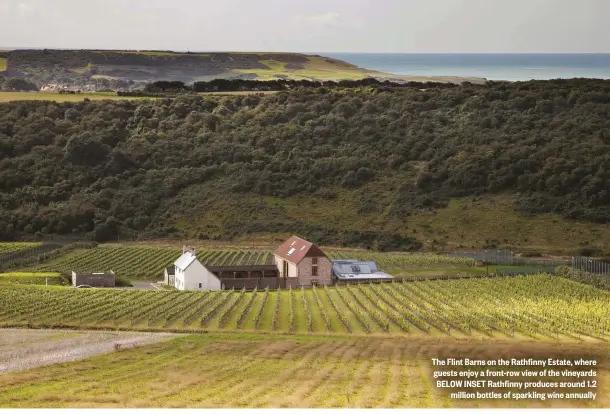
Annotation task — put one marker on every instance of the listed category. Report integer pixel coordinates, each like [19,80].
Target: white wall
[196,274]
[292,268]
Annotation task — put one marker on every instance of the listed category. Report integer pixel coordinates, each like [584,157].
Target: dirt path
[22,349]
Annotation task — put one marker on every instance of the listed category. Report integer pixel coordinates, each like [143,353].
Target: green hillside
[97,66]
[521,165]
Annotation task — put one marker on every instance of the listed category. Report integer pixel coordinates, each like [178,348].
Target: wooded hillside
[226,166]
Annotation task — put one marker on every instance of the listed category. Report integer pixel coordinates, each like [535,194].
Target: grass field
[3,64]
[93,96]
[22,349]
[9,247]
[317,68]
[261,371]
[534,307]
[51,96]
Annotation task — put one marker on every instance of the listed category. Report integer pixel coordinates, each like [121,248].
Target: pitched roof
[171,269]
[295,249]
[185,260]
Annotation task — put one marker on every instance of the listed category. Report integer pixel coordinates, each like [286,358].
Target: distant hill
[84,66]
[473,166]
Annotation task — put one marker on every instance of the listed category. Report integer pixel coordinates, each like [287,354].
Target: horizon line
[12,48]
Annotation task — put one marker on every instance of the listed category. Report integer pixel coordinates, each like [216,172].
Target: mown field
[297,371]
[142,262]
[52,96]
[535,307]
[93,96]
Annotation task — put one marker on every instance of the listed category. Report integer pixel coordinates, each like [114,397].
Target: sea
[497,67]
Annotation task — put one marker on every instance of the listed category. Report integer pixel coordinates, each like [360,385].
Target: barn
[96,279]
[302,264]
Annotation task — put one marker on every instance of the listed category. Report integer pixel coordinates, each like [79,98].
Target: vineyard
[137,262]
[538,307]
[143,262]
[10,247]
[226,370]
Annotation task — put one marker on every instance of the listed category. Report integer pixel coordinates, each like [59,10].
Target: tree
[19,84]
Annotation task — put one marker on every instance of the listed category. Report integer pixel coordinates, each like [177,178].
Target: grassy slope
[465,224]
[278,371]
[318,68]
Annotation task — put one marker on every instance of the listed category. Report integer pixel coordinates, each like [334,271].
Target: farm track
[27,349]
[532,307]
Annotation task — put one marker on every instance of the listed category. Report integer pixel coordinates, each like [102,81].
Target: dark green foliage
[598,281]
[138,168]
[589,252]
[17,85]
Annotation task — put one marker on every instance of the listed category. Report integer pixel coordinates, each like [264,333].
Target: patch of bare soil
[22,349]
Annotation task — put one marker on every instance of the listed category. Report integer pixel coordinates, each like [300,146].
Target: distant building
[191,275]
[99,280]
[302,264]
[355,270]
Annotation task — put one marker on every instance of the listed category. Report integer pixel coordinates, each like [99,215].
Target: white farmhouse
[191,275]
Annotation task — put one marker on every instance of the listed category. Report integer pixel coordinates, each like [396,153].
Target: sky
[384,26]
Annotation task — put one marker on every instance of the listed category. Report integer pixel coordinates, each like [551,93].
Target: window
[314,261]
[314,271]
[200,285]
[314,283]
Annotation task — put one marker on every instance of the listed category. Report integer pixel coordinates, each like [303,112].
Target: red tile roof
[295,249]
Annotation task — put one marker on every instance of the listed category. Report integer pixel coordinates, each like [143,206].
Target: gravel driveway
[22,349]
[139,285]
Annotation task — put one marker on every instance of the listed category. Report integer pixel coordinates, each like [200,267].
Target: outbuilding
[96,279]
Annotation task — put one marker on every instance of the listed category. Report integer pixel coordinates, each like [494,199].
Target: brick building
[302,264]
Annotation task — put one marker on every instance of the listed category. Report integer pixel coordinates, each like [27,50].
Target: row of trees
[229,85]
